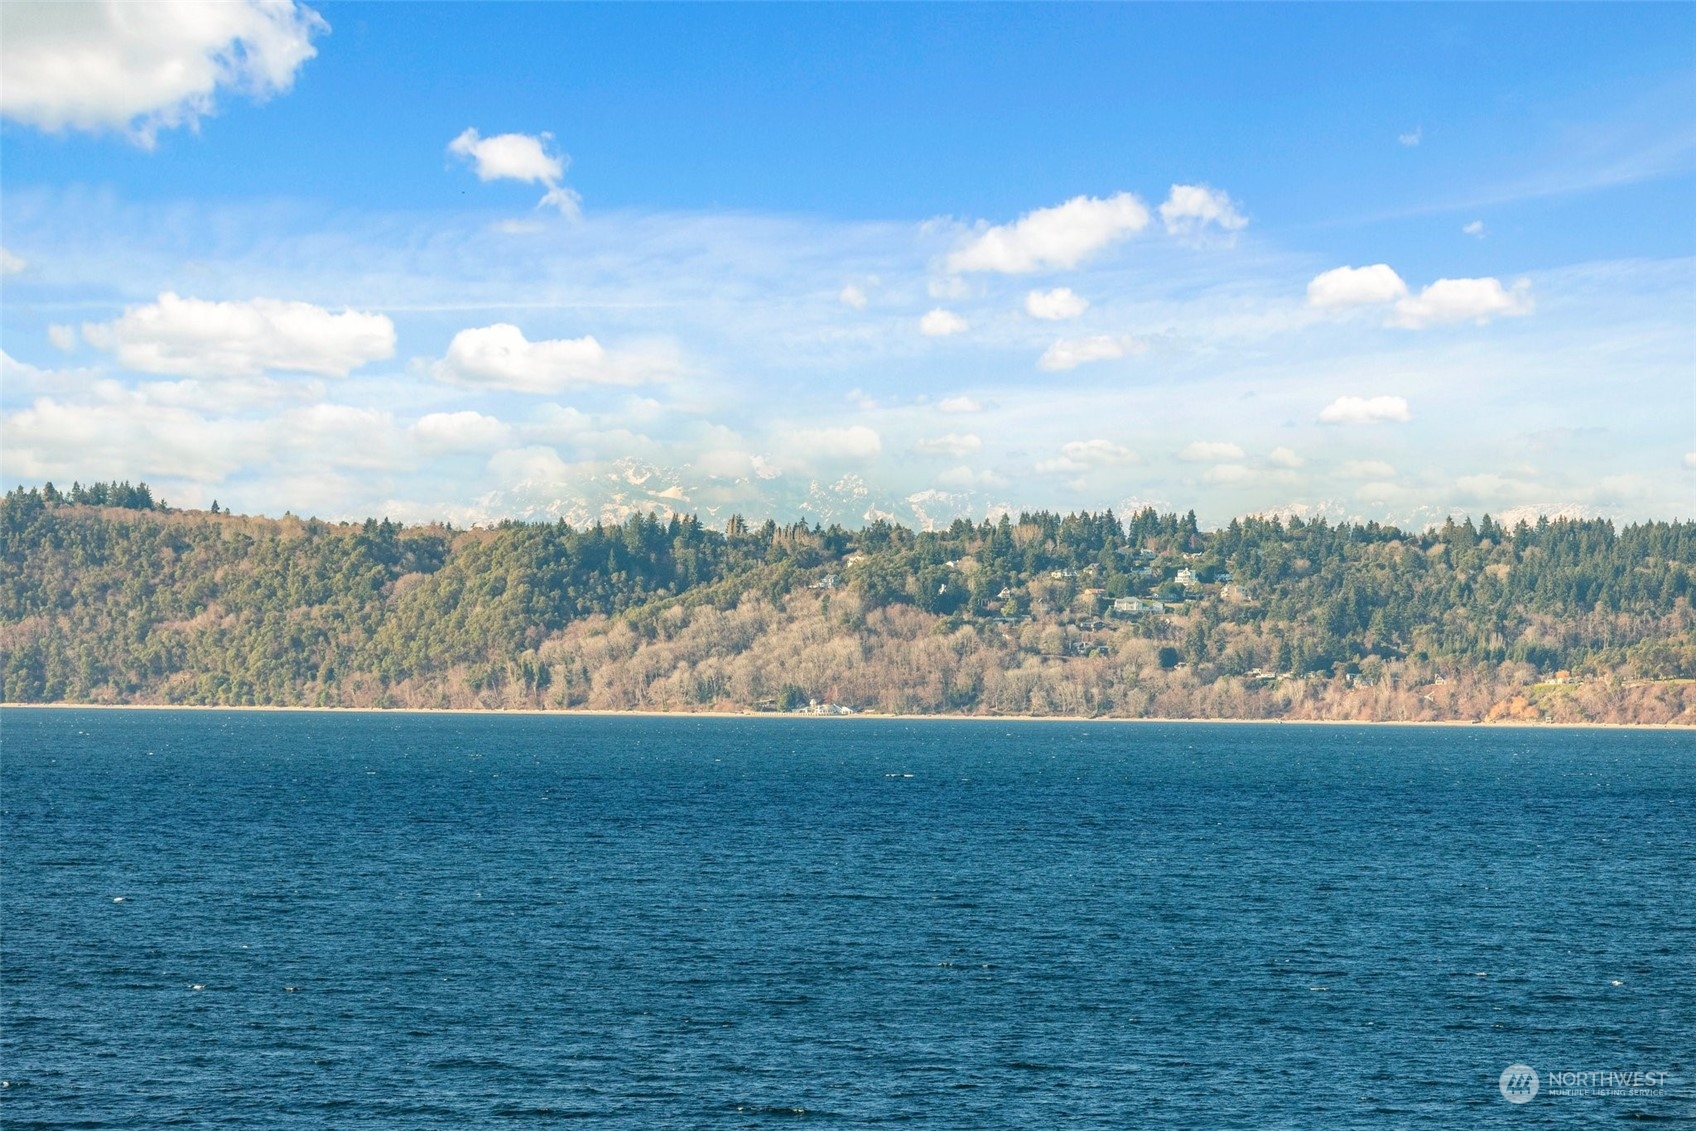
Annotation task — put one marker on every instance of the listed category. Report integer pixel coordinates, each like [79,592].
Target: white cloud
[963,477]
[1366,469]
[341,435]
[557,422]
[958,405]
[190,337]
[1058,237]
[1055,305]
[222,396]
[1082,455]
[1463,300]
[1690,461]
[940,323]
[512,157]
[953,444]
[519,157]
[1284,457]
[853,296]
[1191,208]
[772,351]
[725,463]
[501,357]
[1445,301]
[1097,452]
[1229,475]
[1475,229]
[1355,286]
[126,437]
[16,376]
[62,336]
[143,67]
[1378,492]
[1412,137]
[1210,451]
[853,442]
[1490,487]
[460,432]
[11,264]
[535,470]
[1365,410]
[1069,353]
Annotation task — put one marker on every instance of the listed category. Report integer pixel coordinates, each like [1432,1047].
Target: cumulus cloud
[853,442]
[1365,410]
[958,405]
[1355,286]
[1284,457]
[1069,353]
[501,357]
[1463,300]
[62,336]
[190,337]
[1189,209]
[1083,455]
[853,296]
[1445,301]
[1210,451]
[1059,237]
[1366,469]
[954,444]
[460,432]
[940,323]
[20,376]
[11,264]
[1097,452]
[1055,305]
[1690,461]
[519,157]
[1412,137]
[146,66]
[123,437]
[342,435]
[1475,229]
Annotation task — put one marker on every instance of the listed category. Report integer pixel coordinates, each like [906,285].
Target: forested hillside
[108,597]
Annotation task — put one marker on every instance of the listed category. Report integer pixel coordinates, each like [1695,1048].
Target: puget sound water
[309,920]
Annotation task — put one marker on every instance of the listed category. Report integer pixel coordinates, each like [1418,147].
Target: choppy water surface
[314,920]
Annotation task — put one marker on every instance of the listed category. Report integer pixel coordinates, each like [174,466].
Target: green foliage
[200,607]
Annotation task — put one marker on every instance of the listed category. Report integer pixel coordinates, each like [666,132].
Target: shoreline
[533,712]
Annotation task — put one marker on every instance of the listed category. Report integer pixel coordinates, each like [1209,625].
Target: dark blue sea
[311,920]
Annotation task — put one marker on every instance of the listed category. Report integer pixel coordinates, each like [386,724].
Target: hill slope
[1081,615]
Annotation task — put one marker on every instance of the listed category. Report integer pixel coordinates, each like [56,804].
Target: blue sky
[1364,261]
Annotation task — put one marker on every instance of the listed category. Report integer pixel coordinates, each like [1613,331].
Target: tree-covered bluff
[111,598]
